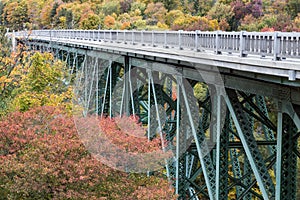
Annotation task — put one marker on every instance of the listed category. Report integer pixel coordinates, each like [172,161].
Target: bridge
[228,103]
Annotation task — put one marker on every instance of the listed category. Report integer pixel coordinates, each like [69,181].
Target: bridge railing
[279,45]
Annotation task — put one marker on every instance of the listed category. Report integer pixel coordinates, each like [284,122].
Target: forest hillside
[205,15]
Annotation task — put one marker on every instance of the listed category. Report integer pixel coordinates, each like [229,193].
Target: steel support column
[257,163]
[201,146]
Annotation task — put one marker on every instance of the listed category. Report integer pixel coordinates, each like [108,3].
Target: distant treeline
[206,15]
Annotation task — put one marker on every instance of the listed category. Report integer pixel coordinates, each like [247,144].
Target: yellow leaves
[2,79]
[62,19]
[179,21]
[135,13]
[213,24]
[174,15]
[39,84]
[27,100]
[8,80]
[124,17]
[92,21]
[140,24]
[186,20]
[162,26]
[6,61]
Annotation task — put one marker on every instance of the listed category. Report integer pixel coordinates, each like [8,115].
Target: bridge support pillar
[127,85]
[287,154]
[222,148]
[241,121]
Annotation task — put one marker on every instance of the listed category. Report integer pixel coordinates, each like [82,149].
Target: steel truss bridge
[228,103]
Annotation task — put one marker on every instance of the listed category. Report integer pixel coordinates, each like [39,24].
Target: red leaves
[42,157]
[128,135]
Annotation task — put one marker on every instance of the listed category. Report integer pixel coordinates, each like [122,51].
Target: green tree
[1,12]
[293,7]
[170,4]
[45,83]
[12,69]
[174,15]
[138,6]
[220,12]
[202,6]
[155,13]
[91,22]
[110,7]
[16,14]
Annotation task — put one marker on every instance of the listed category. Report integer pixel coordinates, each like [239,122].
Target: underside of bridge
[232,136]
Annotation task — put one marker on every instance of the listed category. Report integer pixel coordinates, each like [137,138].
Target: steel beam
[254,156]
[209,178]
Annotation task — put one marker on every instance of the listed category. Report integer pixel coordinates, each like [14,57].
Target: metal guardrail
[278,45]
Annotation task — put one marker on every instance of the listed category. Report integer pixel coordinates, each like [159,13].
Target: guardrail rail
[278,45]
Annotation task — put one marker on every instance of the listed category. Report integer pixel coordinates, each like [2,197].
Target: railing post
[196,40]
[142,38]
[276,46]
[152,38]
[124,36]
[110,36]
[217,51]
[165,38]
[180,39]
[242,44]
[132,37]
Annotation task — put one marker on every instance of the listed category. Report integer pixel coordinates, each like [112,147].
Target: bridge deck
[287,70]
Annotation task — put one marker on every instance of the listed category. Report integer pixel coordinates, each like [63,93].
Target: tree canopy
[231,15]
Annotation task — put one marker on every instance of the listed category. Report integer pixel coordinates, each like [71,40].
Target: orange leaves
[125,25]
[109,22]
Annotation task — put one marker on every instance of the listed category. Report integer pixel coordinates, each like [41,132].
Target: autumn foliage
[229,15]
[42,157]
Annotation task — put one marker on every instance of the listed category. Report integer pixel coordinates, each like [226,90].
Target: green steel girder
[247,168]
[224,159]
[234,159]
[255,158]
[269,135]
[200,140]
[262,114]
[288,160]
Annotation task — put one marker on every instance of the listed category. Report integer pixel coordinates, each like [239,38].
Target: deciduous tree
[155,12]
[42,157]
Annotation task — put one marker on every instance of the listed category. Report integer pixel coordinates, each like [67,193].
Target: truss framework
[230,144]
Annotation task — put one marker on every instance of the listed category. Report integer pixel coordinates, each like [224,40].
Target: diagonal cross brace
[250,146]
[209,177]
